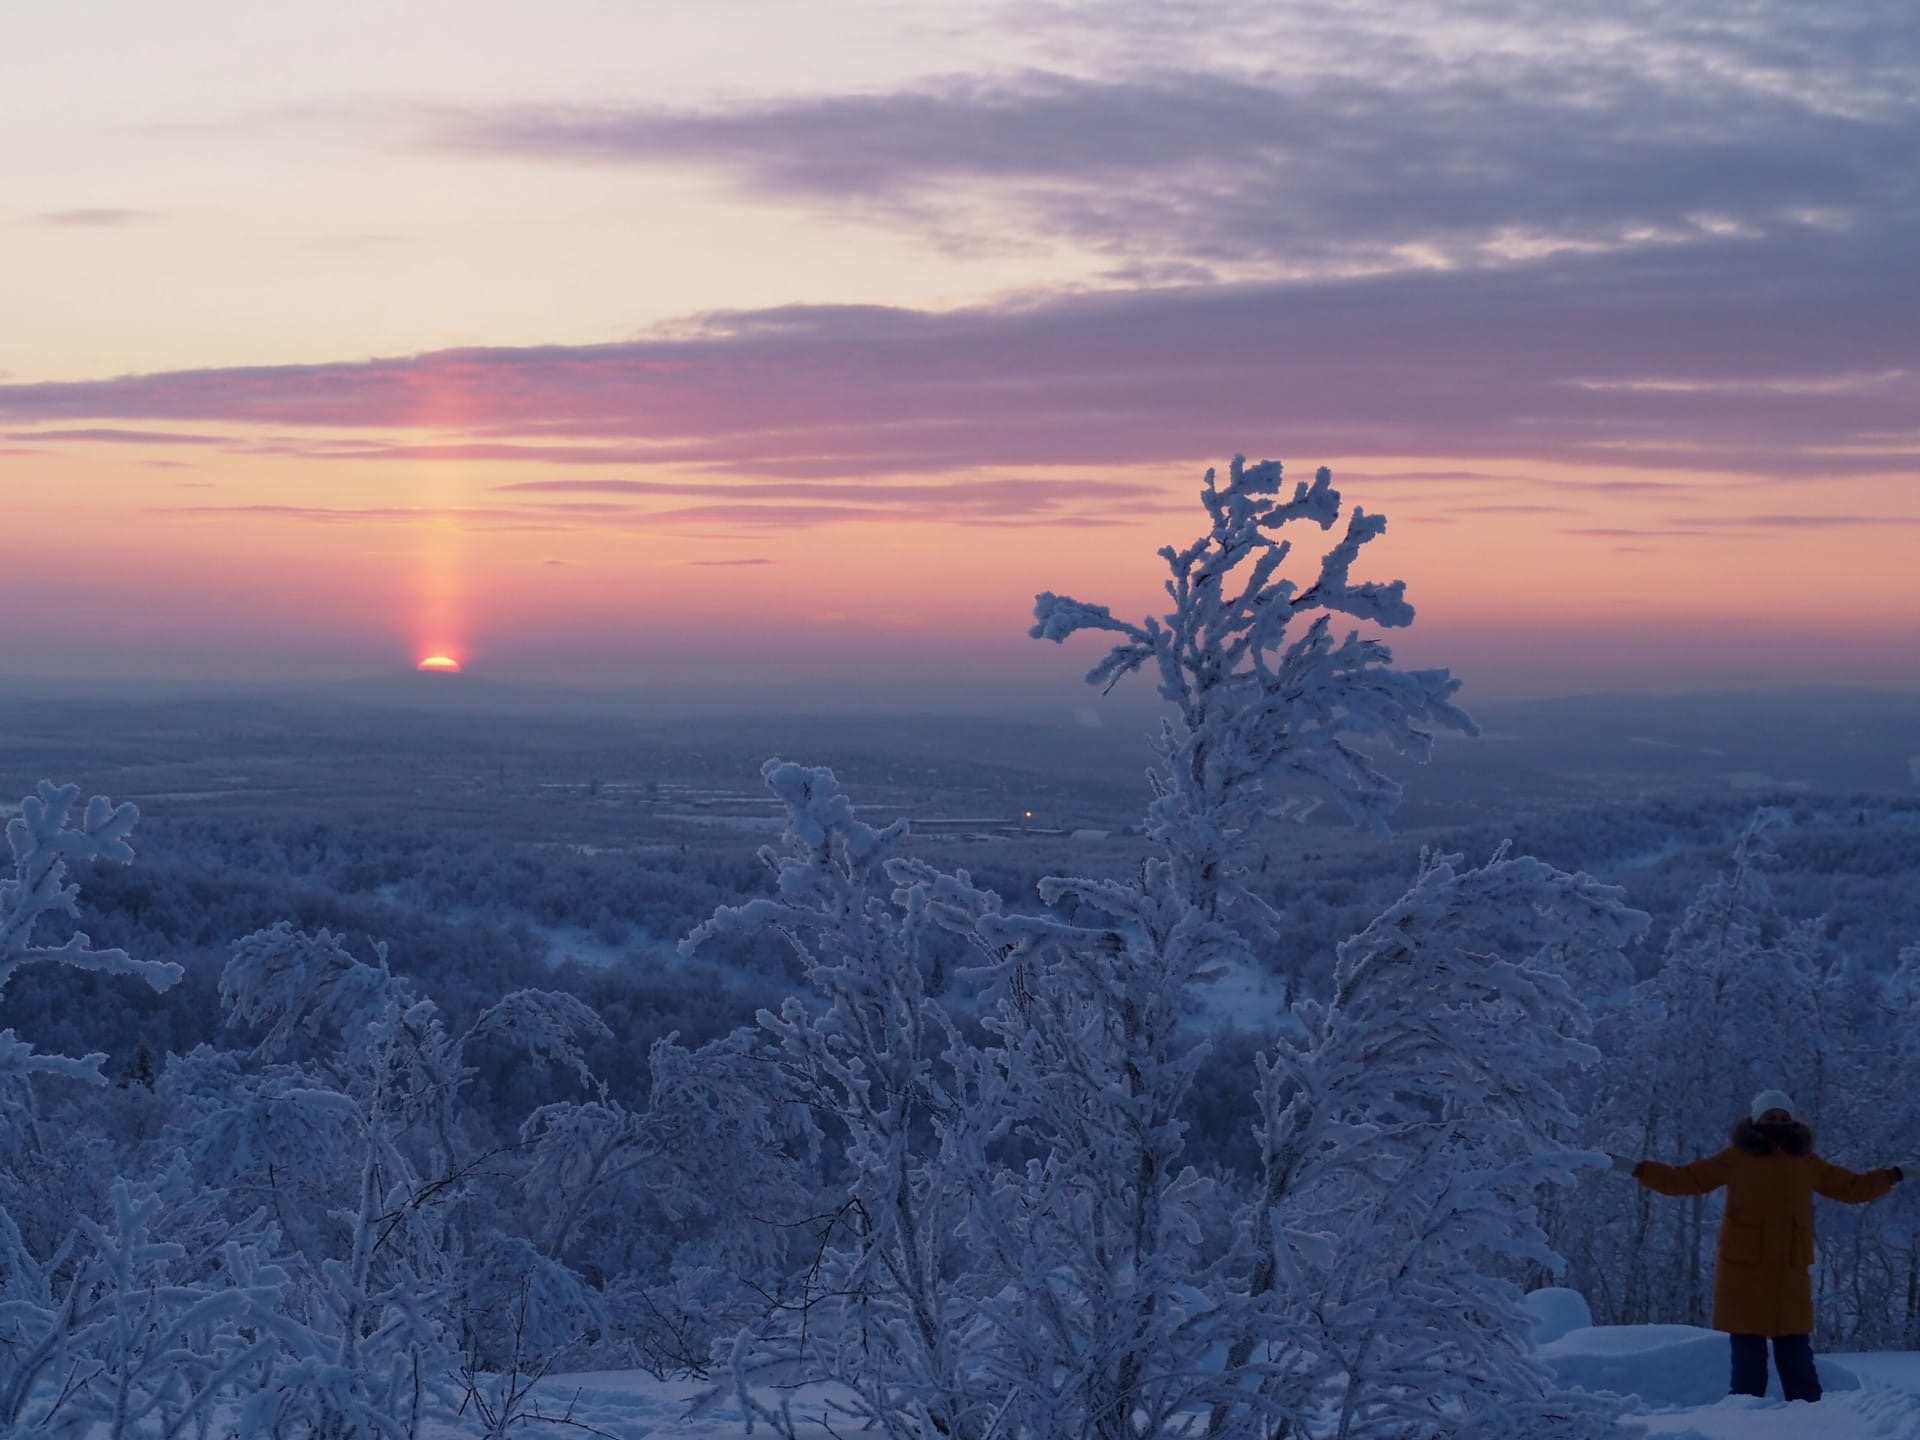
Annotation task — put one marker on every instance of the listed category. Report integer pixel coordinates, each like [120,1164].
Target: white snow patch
[1555,1311]
[1870,1397]
[1243,998]
[1665,1365]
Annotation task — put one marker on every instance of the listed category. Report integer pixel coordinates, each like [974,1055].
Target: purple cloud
[1371,142]
[1441,364]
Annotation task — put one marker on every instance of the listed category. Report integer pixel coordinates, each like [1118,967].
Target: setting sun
[443,663]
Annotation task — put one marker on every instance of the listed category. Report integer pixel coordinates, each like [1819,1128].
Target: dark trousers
[1792,1356]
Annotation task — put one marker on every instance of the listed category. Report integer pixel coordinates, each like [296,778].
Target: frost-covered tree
[1268,717]
[686,1213]
[66,1312]
[351,1132]
[146,1323]
[1867,1281]
[1733,1009]
[1103,1062]
[884,1308]
[1405,1139]
[1102,1281]
[45,839]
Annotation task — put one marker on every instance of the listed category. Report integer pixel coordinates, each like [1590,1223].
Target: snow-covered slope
[1885,1407]
[1869,1397]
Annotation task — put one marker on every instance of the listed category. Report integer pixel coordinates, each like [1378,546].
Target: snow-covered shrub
[882,1308]
[146,1322]
[45,840]
[66,1294]
[1405,1141]
[351,1130]
[685,1213]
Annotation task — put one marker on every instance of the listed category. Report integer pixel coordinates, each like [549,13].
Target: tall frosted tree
[349,1131]
[1103,1281]
[1272,706]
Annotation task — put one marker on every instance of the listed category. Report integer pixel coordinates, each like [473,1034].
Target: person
[1762,1266]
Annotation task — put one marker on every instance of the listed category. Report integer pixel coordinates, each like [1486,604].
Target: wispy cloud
[1516,508]
[102,217]
[100,435]
[1821,521]
[1003,496]
[1648,532]
[748,507]
[1374,140]
[747,560]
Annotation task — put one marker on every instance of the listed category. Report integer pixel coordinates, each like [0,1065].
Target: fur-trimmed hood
[1757,1139]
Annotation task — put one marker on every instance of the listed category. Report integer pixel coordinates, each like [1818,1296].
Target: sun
[441,664]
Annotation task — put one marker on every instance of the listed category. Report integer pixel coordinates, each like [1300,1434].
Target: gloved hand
[1623,1163]
[1904,1168]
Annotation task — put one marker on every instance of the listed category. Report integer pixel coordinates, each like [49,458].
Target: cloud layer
[1335,140]
[1794,357]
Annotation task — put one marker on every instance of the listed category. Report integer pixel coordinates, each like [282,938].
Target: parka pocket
[1802,1244]
[1742,1239]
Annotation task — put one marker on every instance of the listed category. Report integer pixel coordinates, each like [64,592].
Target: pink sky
[800,366]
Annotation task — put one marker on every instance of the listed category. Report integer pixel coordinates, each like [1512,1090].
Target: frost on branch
[364,1068]
[875,1050]
[45,840]
[1263,705]
[547,1025]
[142,1323]
[1404,1142]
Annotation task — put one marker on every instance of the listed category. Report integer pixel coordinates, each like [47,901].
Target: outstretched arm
[1694,1179]
[1853,1187]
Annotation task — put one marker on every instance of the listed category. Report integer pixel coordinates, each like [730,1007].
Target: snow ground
[1679,1375]
[1869,1397]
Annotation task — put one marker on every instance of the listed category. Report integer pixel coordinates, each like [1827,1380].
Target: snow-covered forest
[342,1128]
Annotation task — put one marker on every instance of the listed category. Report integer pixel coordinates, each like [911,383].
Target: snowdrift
[1665,1365]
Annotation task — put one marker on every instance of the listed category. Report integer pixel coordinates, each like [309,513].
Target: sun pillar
[440,633]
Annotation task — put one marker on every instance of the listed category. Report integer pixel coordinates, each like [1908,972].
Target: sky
[735,349]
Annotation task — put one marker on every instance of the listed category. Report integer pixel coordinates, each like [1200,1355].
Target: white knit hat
[1771,1100]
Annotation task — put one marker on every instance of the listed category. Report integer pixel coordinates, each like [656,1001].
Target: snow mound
[1556,1310]
[1665,1365]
